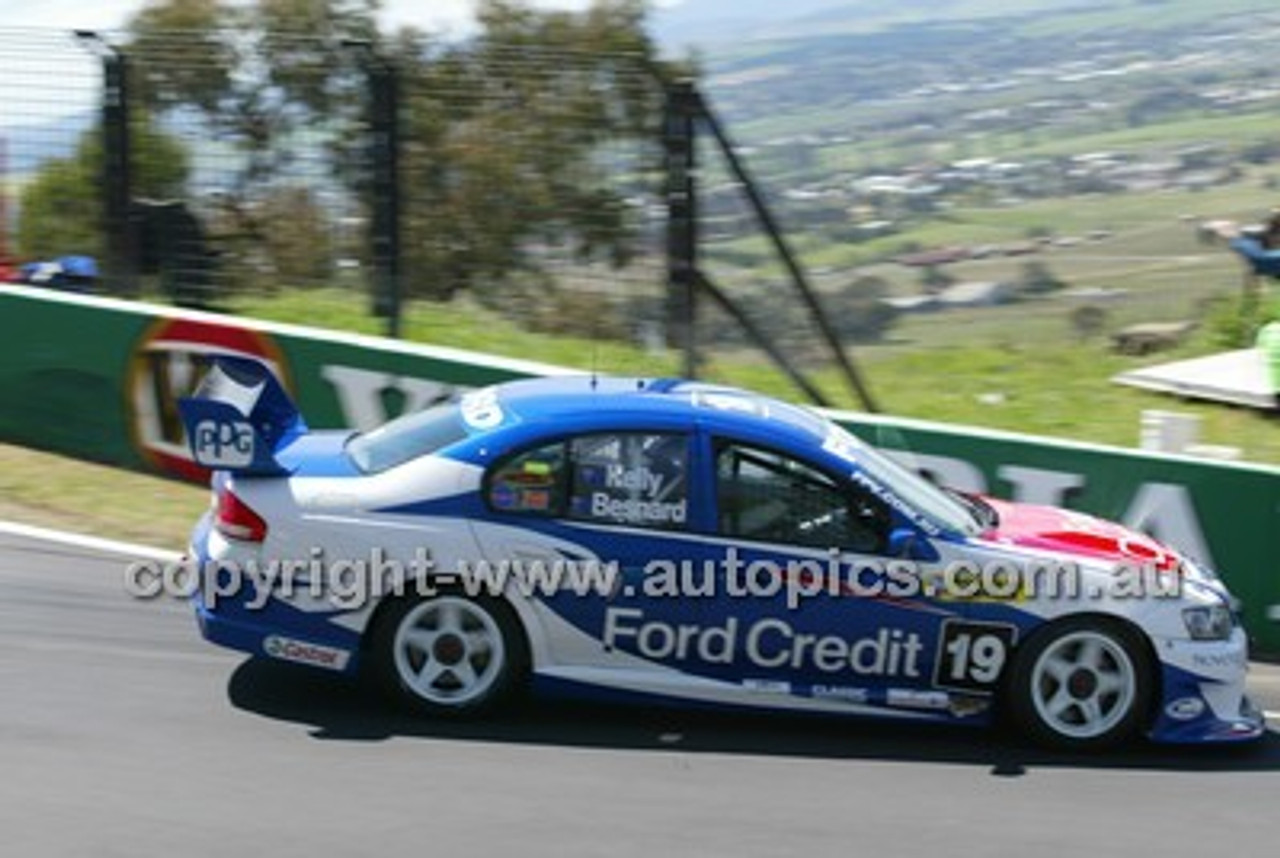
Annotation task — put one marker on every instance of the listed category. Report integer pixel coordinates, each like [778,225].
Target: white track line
[93,543]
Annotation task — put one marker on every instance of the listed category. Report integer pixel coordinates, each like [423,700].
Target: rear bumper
[267,627]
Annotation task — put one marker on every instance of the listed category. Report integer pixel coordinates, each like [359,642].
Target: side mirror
[904,542]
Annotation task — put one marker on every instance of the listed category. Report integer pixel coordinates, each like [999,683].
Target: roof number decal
[480,409]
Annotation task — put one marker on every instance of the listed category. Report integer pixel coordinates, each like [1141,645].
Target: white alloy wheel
[1083,685]
[450,654]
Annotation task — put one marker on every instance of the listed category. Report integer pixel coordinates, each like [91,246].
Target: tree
[859,311]
[300,248]
[60,214]
[1088,320]
[62,205]
[273,80]
[1037,279]
[934,279]
[517,141]
[505,137]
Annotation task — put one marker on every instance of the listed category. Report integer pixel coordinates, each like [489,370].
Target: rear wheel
[1082,684]
[450,654]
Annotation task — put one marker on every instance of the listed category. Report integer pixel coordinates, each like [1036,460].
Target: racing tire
[450,655]
[1081,684]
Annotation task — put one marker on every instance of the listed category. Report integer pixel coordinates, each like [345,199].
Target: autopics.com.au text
[352,583]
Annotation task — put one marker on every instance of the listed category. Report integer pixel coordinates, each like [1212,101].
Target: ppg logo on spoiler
[224,445]
[168,363]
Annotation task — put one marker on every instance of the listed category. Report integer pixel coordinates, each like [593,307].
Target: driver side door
[804,563]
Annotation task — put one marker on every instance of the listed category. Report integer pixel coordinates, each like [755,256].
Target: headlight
[1208,622]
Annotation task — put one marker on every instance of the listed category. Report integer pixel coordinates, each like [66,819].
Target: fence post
[117,165]
[384,203]
[738,169]
[680,149]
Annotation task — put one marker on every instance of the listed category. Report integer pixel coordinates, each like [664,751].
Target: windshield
[915,491]
[407,437]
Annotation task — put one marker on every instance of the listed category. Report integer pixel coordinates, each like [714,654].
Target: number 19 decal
[971,655]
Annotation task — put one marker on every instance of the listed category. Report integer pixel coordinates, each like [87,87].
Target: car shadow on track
[340,709]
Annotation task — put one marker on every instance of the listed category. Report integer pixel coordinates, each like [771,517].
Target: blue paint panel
[232,623]
[1178,686]
[318,454]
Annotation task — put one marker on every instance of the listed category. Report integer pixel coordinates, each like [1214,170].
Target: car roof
[587,402]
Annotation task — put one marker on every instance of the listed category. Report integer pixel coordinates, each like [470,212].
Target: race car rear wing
[239,418]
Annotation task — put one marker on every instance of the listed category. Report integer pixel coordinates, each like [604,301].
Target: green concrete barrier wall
[99,379]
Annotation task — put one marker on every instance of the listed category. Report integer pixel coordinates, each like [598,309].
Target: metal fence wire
[530,193]
[309,180]
[503,190]
[240,183]
[50,96]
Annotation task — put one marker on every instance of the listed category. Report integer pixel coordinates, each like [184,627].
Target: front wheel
[450,655]
[1082,684]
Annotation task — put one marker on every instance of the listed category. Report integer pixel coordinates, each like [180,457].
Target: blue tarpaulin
[1261,259]
[65,272]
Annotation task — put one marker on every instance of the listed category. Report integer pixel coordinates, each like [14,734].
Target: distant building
[913,303]
[976,294]
[1093,294]
[876,228]
[1021,248]
[938,256]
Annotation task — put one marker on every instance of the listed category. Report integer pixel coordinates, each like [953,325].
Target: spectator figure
[1269,238]
[171,242]
[1259,246]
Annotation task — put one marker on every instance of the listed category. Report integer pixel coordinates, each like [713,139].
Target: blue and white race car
[680,542]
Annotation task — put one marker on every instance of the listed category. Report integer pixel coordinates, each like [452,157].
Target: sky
[437,15]
[68,77]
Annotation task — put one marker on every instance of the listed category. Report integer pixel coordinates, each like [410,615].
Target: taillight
[235,519]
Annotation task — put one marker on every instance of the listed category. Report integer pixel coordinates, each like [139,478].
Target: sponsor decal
[539,500]
[504,497]
[847,693]
[910,698]
[288,649]
[1185,708]
[223,444]
[767,686]
[167,363]
[770,643]
[905,509]
[742,403]
[1219,660]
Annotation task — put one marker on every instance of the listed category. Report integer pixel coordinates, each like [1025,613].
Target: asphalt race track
[121,733]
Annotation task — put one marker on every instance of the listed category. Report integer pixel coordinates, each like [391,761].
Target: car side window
[771,497]
[633,478]
[639,479]
[530,482]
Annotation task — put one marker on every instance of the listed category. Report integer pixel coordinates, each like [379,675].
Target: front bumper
[1203,695]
